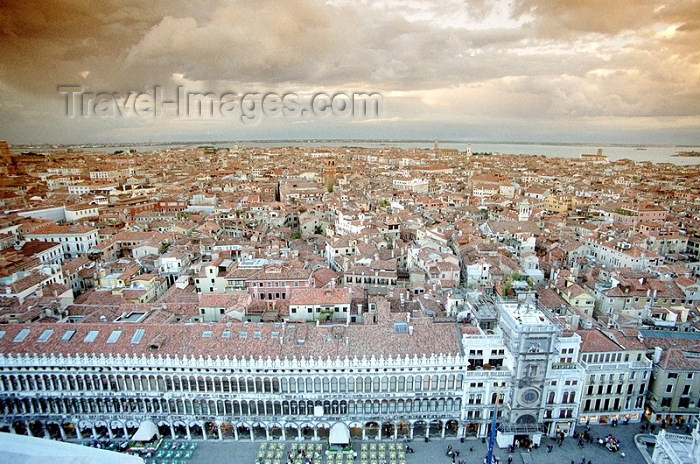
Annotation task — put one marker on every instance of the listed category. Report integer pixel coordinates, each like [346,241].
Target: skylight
[21,335]
[45,335]
[67,335]
[114,336]
[138,335]
[400,327]
[91,336]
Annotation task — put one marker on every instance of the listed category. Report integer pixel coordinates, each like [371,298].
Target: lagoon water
[653,153]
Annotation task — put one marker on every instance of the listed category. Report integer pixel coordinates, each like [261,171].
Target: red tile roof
[188,340]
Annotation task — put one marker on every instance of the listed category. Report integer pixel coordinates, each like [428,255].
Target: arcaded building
[233,381]
[397,377]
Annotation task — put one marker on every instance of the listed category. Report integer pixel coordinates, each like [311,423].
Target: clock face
[529,396]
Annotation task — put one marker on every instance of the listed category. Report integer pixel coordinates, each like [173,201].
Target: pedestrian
[510,459]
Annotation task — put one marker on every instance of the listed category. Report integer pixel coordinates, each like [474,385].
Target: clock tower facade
[530,337]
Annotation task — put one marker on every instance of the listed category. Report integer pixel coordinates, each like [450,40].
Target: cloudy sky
[624,71]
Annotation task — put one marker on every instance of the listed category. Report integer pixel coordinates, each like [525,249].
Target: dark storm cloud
[451,60]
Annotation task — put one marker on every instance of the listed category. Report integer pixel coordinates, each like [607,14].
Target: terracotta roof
[307,296]
[58,229]
[261,340]
[675,359]
[595,341]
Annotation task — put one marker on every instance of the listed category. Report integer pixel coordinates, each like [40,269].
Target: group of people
[611,443]
[454,454]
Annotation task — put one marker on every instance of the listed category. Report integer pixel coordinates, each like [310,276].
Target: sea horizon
[656,153]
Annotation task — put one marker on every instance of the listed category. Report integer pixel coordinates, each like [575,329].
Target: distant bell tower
[5,150]
[524,210]
[329,174]
[437,145]
[8,165]
[469,150]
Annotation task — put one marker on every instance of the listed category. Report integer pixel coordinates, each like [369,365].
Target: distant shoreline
[387,142]
[687,154]
[650,153]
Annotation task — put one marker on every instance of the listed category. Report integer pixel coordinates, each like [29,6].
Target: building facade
[617,375]
[394,377]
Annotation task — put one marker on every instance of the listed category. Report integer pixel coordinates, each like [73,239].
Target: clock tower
[530,337]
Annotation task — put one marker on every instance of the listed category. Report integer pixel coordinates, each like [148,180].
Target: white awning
[147,430]
[340,434]
[21,449]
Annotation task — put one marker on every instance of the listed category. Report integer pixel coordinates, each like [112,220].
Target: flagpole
[492,438]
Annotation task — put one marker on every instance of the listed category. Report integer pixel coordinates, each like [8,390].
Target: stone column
[189,435]
[63,432]
[29,431]
[204,431]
